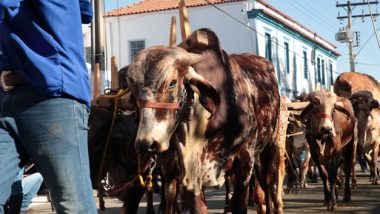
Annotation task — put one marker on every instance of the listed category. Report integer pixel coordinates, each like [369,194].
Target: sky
[320,16]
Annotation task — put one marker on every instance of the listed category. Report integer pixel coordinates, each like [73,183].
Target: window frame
[133,50]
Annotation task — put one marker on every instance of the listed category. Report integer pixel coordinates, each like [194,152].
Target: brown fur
[244,113]
[327,148]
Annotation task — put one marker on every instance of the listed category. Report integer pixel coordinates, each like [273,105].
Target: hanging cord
[116,98]
[124,188]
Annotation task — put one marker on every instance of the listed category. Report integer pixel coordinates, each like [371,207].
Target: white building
[303,60]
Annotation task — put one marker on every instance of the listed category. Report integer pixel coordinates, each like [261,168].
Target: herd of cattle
[198,117]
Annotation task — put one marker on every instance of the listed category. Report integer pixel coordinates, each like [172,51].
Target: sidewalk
[40,204]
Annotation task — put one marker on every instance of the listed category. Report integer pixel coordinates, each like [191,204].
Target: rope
[116,97]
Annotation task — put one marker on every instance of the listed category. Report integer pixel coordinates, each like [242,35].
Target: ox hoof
[347,199]
[227,209]
[375,181]
[331,207]
[279,211]
[354,186]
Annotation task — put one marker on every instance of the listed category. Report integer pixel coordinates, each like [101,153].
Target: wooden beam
[114,73]
[97,82]
[184,20]
[173,32]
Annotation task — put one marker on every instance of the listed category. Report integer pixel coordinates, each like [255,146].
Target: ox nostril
[146,146]
[326,130]
[152,147]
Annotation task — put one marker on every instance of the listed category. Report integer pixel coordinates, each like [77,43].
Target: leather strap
[158,105]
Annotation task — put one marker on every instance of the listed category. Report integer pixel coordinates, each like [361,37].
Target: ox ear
[339,105]
[306,113]
[208,96]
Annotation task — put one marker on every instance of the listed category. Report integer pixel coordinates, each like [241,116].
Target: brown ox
[222,108]
[277,171]
[329,132]
[364,93]
[371,148]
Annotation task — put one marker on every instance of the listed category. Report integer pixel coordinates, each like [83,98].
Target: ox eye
[173,83]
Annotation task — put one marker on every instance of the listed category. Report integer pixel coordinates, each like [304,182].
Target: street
[365,199]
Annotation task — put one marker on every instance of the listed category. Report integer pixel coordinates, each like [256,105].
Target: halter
[164,105]
[157,105]
[323,115]
[180,116]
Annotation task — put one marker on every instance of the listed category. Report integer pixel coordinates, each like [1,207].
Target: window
[318,76]
[305,67]
[286,47]
[323,72]
[135,46]
[268,47]
[331,74]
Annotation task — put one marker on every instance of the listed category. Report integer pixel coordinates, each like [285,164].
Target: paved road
[365,199]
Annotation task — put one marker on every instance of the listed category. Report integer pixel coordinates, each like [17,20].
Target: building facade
[303,60]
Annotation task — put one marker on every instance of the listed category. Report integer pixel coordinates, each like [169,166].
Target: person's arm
[85,10]
[8,8]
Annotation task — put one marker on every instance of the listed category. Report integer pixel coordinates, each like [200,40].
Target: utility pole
[99,33]
[347,35]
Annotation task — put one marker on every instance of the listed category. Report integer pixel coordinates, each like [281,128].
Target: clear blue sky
[320,17]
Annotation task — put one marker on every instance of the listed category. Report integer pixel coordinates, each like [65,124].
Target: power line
[275,42]
[365,43]
[307,13]
[369,64]
[258,33]
[373,23]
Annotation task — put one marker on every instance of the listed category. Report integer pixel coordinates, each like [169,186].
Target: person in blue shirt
[45,98]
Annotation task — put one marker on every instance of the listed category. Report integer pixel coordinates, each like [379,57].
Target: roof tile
[146,6]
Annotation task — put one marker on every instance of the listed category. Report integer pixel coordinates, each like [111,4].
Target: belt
[10,79]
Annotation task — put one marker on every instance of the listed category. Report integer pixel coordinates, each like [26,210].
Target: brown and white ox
[221,108]
[330,124]
[364,93]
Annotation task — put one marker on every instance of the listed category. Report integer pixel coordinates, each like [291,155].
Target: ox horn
[186,58]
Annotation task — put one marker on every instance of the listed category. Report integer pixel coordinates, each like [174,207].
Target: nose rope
[148,183]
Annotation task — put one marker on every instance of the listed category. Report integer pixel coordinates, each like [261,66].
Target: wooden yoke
[173,32]
[97,82]
[114,73]
[184,20]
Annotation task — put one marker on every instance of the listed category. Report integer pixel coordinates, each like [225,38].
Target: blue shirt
[42,40]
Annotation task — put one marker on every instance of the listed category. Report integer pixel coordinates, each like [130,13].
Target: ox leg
[279,206]
[170,196]
[132,201]
[195,203]
[227,202]
[267,181]
[304,168]
[242,171]
[322,173]
[349,153]
[259,197]
[375,155]
[332,175]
